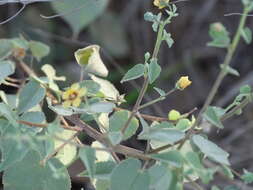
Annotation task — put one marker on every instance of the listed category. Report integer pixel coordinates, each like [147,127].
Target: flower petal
[75,86]
[65,95]
[66,104]
[76,102]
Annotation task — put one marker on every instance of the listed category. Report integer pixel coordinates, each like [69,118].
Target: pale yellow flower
[73,95]
[160,3]
[183,82]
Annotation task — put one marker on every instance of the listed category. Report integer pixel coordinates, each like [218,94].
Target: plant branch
[59,148]
[228,58]
[157,99]
[146,81]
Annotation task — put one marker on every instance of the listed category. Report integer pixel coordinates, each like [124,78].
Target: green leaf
[167,37]
[118,120]
[32,117]
[115,137]
[82,12]
[212,114]
[29,174]
[215,188]
[195,164]
[166,135]
[100,107]
[247,35]
[173,158]
[101,184]
[245,90]
[154,70]
[160,91]
[60,110]
[161,177]
[91,86]
[103,170]
[126,176]
[231,187]
[87,155]
[183,124]
[31,95]
[20,42]
[229,70]
[136,72]
[106,88]
[6,68]
[12,148]
[6,111]
[227,172]
[9,99]
[39,50]
[220,36]
[68,153]
[211,150]
[247,177]
[5,48]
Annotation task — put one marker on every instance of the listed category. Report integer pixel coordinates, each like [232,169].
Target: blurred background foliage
[119,28]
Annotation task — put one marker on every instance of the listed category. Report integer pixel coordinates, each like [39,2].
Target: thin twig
[59,148]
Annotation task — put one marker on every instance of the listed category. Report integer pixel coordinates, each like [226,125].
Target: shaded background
[125,37]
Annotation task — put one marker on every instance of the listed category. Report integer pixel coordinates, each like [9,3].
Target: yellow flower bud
[174,115]
[160,3]
[183,82]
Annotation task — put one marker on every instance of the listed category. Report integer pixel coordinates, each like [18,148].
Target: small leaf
[160,91]
[118,120]
[161,177]
[91,86]
[6,68]
[219,35]
[173,158]
[167,37]
[245,90]
[166,135]
[126,176]
[6,47]
[106,88]
[247,35]
[211,150]
[39,50]
[100,107]
[6,111]
[230,70]
[134,73]
[227,172]
[247,177]
[12,148]
[103,170]
[53,175]
[215,188]
[32,117]
[231,187]
[87,155]
[31,95]
[154,70]
[212,115]
[115,137]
